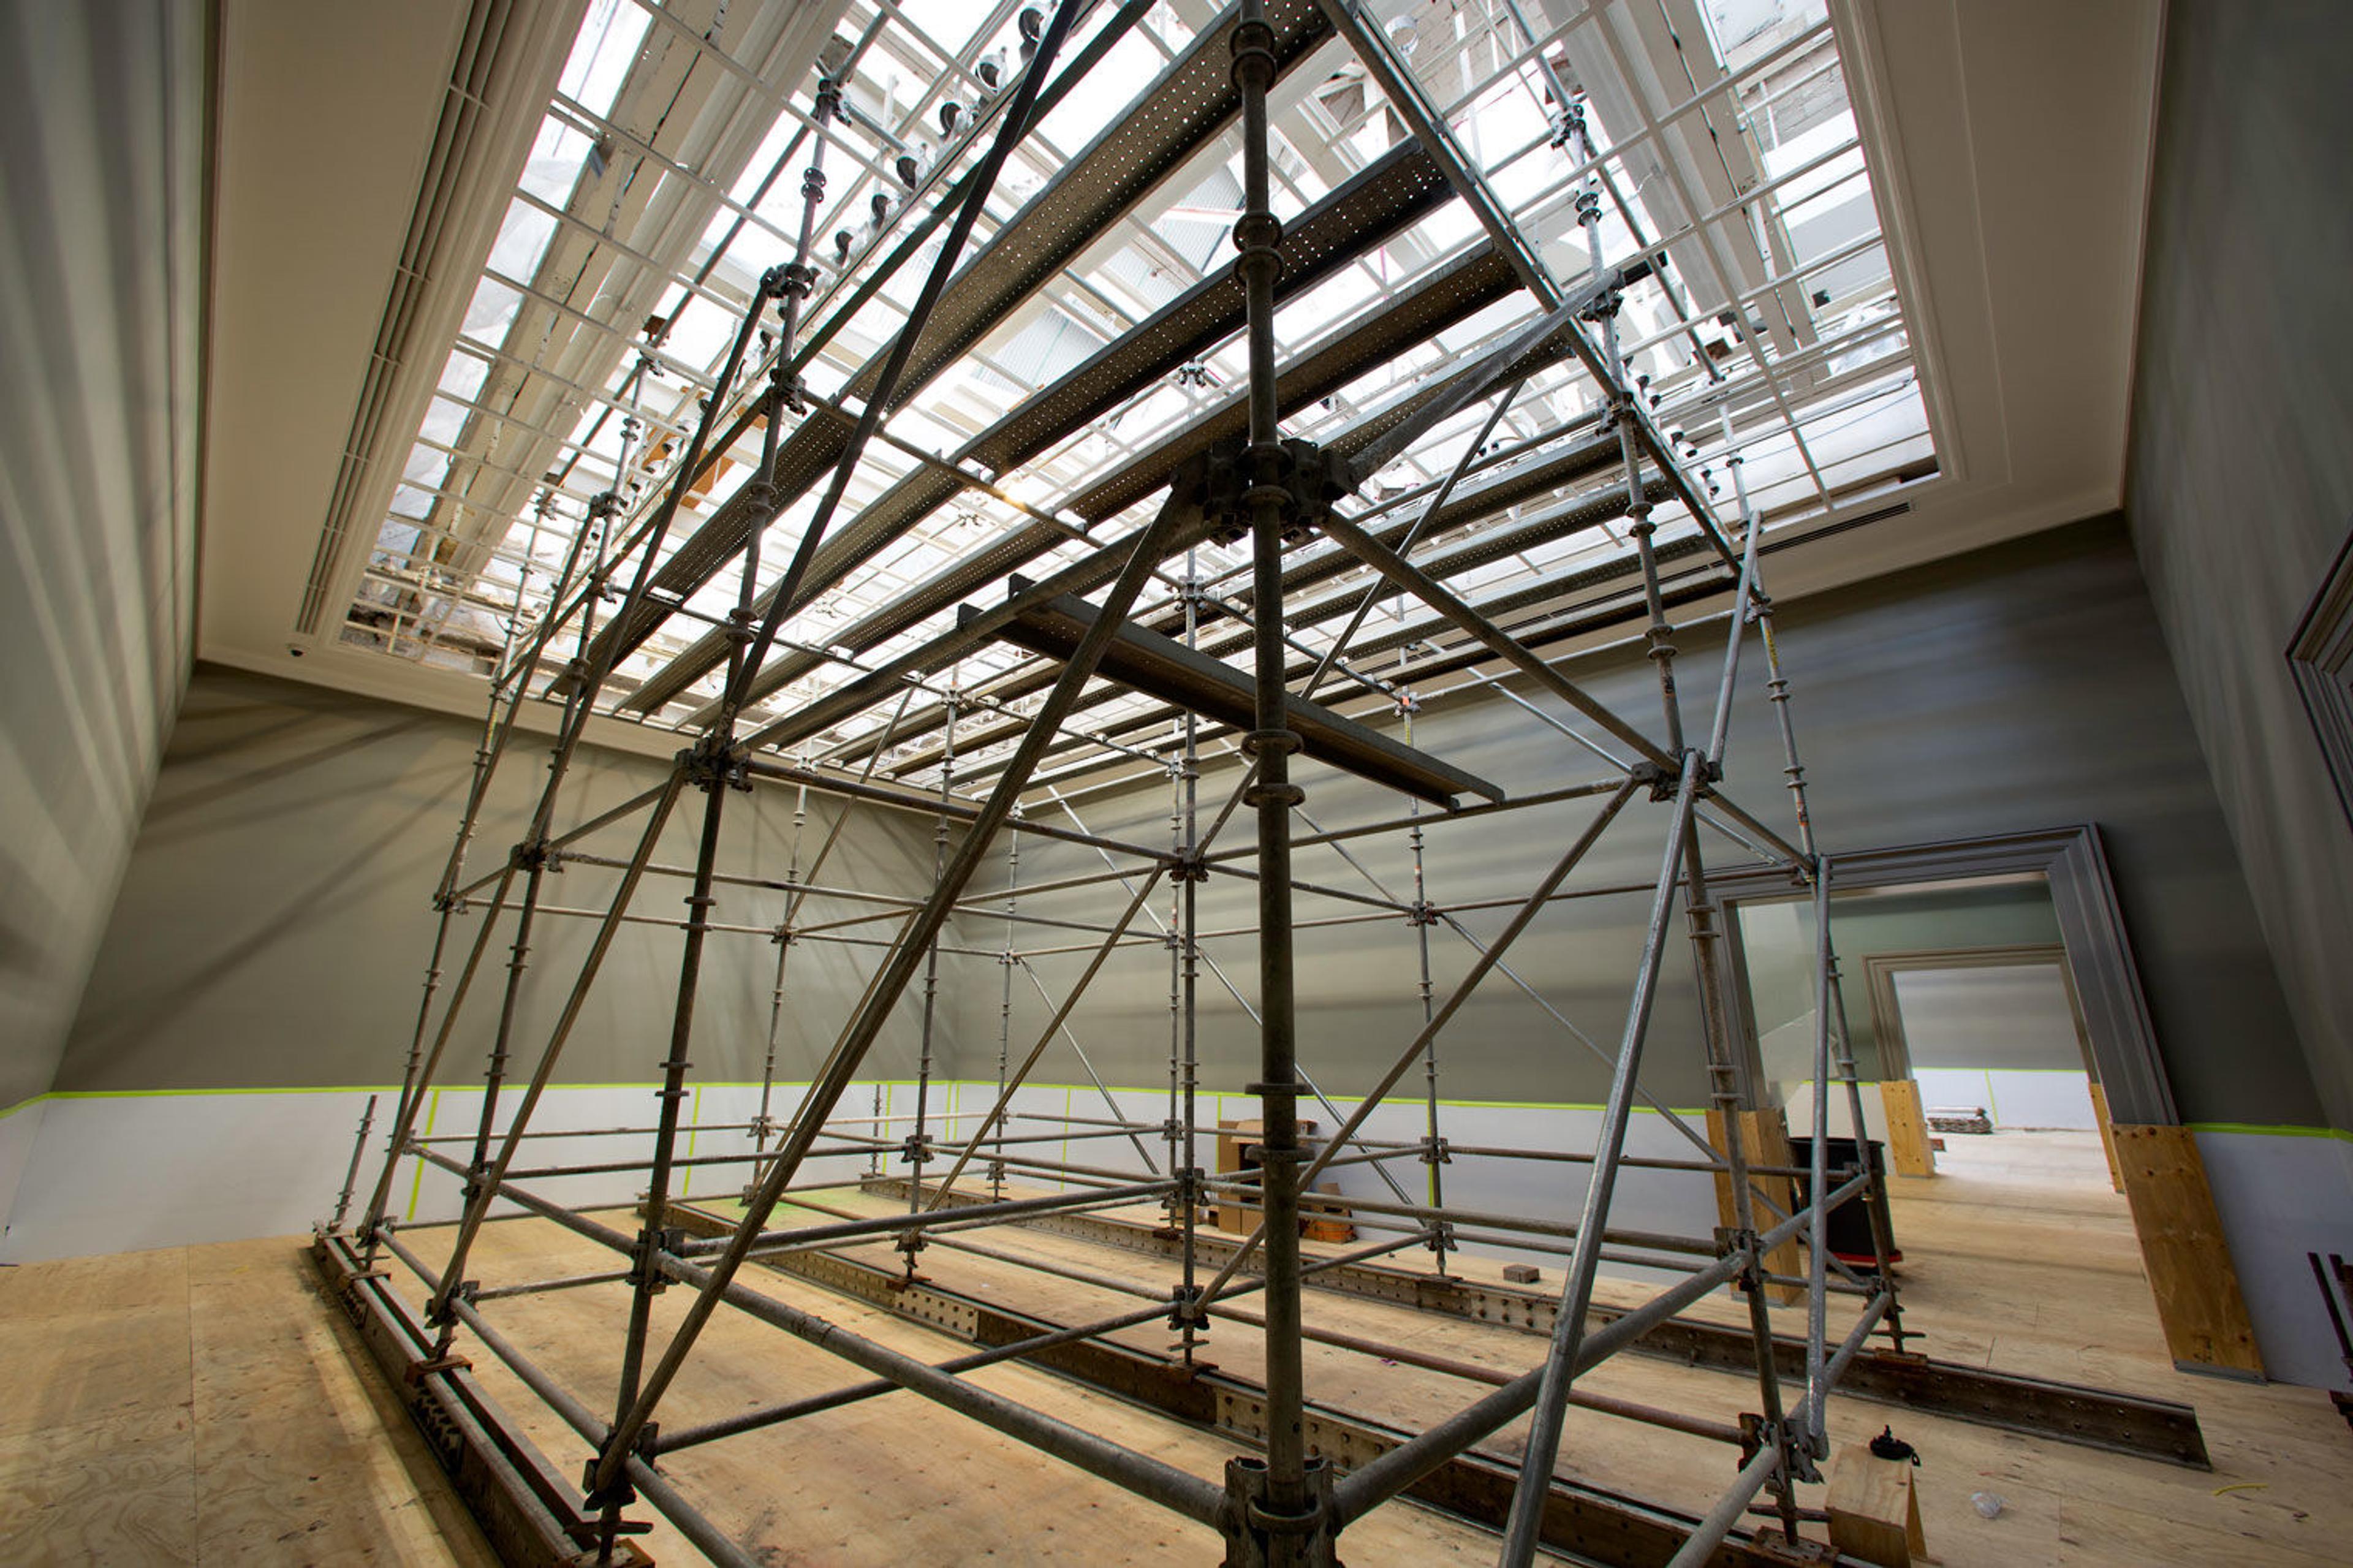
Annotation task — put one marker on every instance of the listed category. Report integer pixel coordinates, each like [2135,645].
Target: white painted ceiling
[2011,139]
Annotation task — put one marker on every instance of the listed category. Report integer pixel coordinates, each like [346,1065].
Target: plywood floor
[205,1407]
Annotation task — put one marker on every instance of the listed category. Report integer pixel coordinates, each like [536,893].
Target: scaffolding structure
[1082,623]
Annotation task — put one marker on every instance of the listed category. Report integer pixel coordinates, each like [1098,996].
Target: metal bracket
[1311,477]
[419,1371]
[1251,1526]
[711,763]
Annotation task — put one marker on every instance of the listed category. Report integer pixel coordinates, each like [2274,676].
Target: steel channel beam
[2120,1422]
[1452,294]
[1584,1521]
[1580,461]
[529,1511]
[1161,666]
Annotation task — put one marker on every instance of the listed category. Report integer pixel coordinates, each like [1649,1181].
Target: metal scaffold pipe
[983,746]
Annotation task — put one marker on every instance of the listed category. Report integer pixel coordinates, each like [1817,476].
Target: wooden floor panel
[203,1405]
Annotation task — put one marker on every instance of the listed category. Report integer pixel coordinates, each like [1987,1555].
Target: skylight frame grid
[949,406]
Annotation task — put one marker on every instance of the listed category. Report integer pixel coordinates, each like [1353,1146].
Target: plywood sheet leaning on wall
[1909,1151]
[2108,1135]
[1765,1140]
[2190,1269]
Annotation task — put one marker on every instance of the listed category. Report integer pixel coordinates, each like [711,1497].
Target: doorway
[1993,1041]
[2049,892]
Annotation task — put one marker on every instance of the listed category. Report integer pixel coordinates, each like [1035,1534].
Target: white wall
[2281,1196]
[2012,1098]
[116,1172]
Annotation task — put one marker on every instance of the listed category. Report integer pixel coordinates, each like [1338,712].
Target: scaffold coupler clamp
[1435,1151]
[1259,793]
[1184,1309]
[1422,912]
[711,762]
[645,1258]
[916,1150]
[1734,1240]
[1191,864]
[1797,1451]
[537,854]
[440,1312]
[620,1494]
[1659,779]
[1568,124]
[1251,1524]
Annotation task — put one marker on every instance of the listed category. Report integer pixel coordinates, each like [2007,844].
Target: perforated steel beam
[1193,102]
[1394,192]
[1161,666]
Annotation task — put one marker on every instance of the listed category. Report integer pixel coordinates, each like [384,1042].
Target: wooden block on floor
[1323,1217]
[2181,1245]
[1909,1148]
[1874,1509]
[1520,1273]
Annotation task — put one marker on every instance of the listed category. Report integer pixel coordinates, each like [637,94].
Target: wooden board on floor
[201,1406]
[2181,1244]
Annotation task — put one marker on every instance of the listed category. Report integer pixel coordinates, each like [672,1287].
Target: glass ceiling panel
[1714,137]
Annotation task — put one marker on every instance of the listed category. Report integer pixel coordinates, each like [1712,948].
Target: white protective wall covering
[2282,1196]
[119,1172]
[122,1172]
[103,133]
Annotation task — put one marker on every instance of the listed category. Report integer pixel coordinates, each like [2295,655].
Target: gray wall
[1777,940]
[2009,1018]
[2241,468]
[2016,688]
[274,927]
[102,150]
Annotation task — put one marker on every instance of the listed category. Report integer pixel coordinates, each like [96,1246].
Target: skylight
[667,178]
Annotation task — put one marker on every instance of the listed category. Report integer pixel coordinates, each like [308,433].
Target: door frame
[2183,1250]
[2095,955]
[1880,970]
